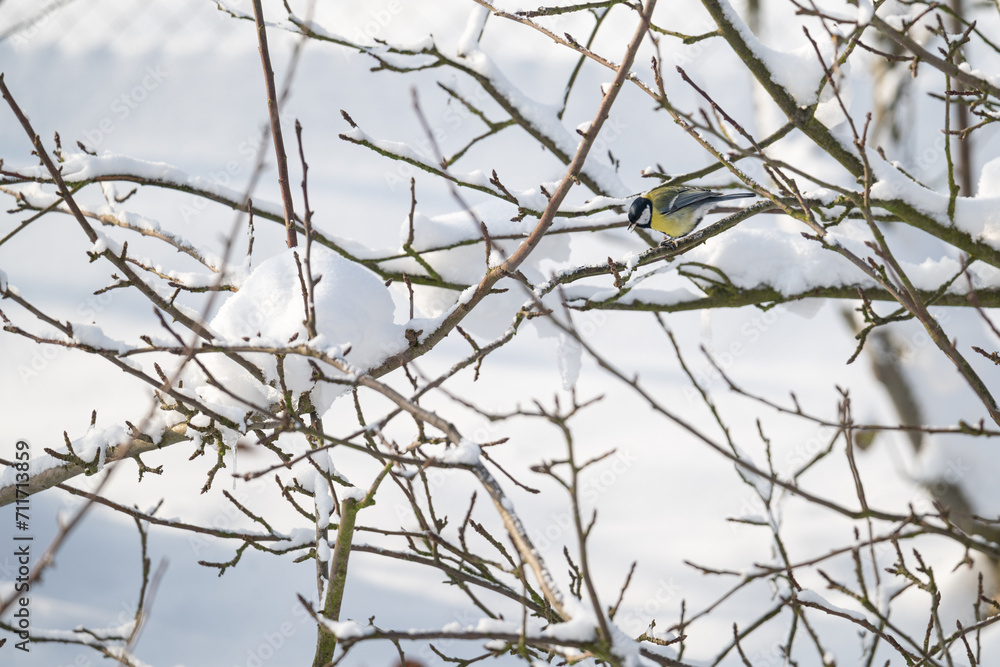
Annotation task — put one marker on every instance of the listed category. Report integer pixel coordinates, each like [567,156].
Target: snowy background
[180,83]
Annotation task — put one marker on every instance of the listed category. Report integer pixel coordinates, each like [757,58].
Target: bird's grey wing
[675,202]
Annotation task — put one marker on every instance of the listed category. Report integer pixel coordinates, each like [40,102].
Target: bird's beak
[631,225]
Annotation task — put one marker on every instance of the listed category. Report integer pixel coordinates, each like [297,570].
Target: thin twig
[275,119]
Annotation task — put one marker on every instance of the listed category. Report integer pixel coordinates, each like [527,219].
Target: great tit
[675,210]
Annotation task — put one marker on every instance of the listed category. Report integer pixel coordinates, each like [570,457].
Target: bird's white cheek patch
[645,218]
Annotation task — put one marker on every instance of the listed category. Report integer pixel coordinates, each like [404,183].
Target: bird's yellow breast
[675,224]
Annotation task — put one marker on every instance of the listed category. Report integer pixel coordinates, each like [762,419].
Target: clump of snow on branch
[354,320]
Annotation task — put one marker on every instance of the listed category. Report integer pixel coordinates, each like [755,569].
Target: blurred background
[179,82]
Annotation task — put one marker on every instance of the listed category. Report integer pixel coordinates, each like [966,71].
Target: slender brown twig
[275,120]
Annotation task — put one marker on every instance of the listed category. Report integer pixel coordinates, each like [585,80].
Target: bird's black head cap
[640,206]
